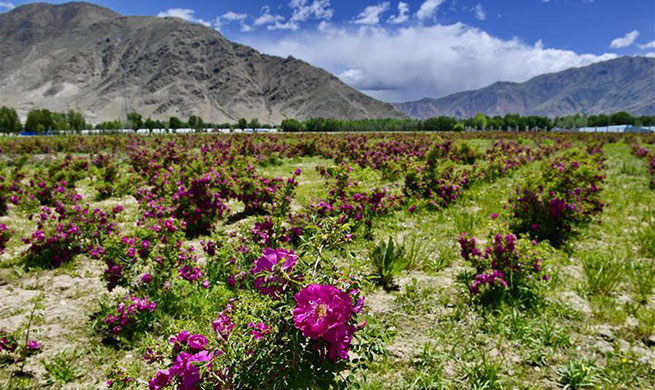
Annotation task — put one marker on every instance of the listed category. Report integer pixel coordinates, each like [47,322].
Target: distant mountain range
[624,84]
[88,58]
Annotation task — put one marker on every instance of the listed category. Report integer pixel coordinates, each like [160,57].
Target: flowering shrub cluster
[130,315]
[66,231]
[565,193]
[8,344]
[509,265]
[5,236]
[439,181]
[349,202]
[303,342]
[110,180]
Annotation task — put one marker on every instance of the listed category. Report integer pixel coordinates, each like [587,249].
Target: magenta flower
[185,368]
[339,338]
[160,380]
[320,308]
[181,337]
[223,325]
[197,342]
[146,278]
[268,263]
[33,345]
[259,330]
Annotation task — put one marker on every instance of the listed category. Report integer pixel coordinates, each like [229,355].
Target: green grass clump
[602,273]
[62,368]
[578,375]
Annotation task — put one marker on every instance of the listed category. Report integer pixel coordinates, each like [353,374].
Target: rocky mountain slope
[623,84]
[88,58]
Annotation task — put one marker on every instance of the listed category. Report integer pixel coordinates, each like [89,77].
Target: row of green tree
[40,121]
[136,121]
[478,122]
[44,120]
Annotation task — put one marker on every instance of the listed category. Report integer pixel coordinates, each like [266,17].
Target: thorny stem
[319,257]
[23,352]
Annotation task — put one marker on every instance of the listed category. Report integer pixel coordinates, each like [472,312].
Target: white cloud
[625,41]
[230,17]
[302,10]
[318,9]
[649,45]
[183,13]
[7,5]
[479,12]
[266,17]
[274,22]
[428,9]
[403,14]
[419,61]
[371,14]
[234,16]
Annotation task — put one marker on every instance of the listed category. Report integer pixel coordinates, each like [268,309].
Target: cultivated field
[376,261]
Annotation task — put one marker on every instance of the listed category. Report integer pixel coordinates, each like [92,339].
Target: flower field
[315,261]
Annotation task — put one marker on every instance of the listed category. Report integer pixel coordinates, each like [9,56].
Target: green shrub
[388,260]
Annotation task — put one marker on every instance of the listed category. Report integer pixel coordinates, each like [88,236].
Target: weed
[577,375]
[416,250]
[642,275]
[602,273]
[62,368]
[465,221]
[444,258]
[484,375]
[389,261]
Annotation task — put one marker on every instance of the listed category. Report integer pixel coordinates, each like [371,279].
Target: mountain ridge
[622,84]
[88,58]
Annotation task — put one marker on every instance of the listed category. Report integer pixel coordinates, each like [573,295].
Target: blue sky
[402,50]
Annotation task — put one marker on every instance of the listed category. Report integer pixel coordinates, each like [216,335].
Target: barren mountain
[88,58]
[623,84]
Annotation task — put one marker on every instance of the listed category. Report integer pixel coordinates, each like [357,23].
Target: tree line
[43,120]
[480,121]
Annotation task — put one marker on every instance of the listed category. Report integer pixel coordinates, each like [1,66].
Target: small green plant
[62,369]
[484,375]
[388,261]
[577,375]
[642,274]
[646,327]
[444,257]
[416,251]
[429,366]
[464,221]
[631,168]
[602,273]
